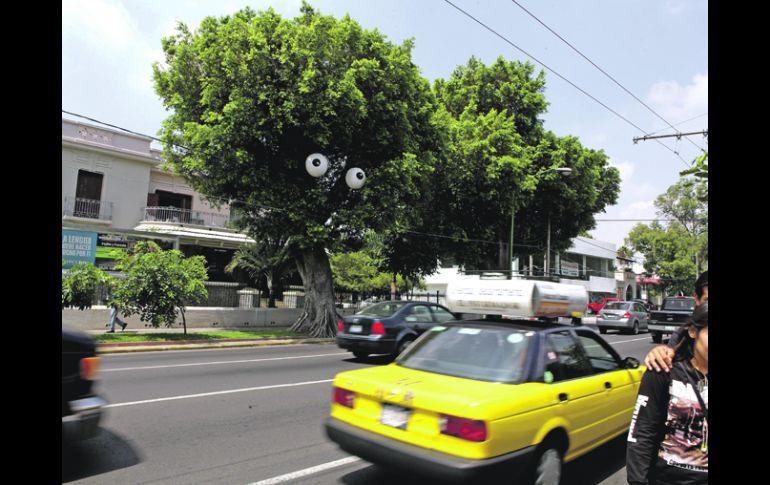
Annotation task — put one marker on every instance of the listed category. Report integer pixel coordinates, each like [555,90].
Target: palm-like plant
[269,257]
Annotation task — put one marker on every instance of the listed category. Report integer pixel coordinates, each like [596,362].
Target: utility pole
[678,136]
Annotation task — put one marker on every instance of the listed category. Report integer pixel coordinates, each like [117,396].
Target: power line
[682,122]
[561,77]
[601,70]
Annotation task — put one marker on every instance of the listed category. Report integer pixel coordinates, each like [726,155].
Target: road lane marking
[626,341]
[121,369]
[307,471]
[216,393]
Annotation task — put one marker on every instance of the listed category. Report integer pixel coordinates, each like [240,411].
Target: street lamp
[561,171]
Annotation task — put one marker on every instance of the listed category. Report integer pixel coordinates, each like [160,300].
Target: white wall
[124,160]
[160,180]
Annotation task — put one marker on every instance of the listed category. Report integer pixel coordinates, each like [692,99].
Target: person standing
[114,318]
[668,437]
[660,357]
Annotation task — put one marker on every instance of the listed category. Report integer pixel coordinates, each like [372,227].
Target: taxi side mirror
[631,363]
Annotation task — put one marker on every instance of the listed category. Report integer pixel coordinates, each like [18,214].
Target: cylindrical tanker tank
[519,298]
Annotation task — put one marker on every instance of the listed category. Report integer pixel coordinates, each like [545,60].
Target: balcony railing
[87,208]
[186,216]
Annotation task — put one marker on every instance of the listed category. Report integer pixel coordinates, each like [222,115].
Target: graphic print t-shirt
[668,439]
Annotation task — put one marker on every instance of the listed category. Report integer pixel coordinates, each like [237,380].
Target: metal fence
[91,209]
[185,216]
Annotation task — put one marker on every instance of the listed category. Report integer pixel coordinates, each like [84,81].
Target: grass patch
[194,336]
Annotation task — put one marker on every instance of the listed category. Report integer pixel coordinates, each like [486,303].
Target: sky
[656,49]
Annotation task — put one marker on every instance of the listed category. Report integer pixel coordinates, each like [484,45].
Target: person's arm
[647,425]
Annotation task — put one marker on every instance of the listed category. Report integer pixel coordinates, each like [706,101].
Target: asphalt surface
[250,416]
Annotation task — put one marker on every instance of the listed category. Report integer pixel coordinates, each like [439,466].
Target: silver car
[627,316]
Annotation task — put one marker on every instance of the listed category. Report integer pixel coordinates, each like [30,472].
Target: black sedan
[389,327]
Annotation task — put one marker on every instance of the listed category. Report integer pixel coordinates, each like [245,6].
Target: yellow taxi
[475,399]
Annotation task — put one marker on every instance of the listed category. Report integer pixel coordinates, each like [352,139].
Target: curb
[125,347]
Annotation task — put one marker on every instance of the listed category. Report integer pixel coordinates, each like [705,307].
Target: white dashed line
[218,393]
[307,471]
[120,369]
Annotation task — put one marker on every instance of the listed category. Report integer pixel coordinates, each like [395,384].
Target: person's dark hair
[699,319]
[702,282]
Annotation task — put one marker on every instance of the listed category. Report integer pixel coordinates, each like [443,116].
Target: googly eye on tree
[317,165]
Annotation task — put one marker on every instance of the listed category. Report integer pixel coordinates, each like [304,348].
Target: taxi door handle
[563,397]
[607,385]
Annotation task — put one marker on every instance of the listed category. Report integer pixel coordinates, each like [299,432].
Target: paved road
[243,416]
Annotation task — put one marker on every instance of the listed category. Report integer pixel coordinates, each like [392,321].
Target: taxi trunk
[434,411]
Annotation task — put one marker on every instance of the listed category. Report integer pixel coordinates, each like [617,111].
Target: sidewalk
[108,348]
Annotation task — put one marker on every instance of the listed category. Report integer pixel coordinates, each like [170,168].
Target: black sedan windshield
[493,354]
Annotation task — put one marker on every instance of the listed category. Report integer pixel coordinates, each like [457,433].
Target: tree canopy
[497,159]
[158,284]
[253,94]
[678,250]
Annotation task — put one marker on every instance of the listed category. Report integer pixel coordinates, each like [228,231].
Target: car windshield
[491,354]
[679,304]
[618,305]
[597,298]
[384,309]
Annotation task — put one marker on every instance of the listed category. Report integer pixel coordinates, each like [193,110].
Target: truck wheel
[657,337]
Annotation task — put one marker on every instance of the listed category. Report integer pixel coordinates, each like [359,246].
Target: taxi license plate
[356,328]
[395,416]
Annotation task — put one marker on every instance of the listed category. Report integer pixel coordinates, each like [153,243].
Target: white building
[588,262]
[114,193]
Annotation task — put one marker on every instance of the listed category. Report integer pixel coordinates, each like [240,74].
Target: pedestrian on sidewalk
[668,438]
[114,310]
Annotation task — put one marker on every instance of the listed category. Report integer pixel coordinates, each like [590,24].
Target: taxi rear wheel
[548,466]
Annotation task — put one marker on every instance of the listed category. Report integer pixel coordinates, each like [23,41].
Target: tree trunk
[270,277]
[184,320]
[393,288]
[319,316]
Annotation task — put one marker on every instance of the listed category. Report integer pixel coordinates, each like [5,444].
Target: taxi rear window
[384,309]
[491,354]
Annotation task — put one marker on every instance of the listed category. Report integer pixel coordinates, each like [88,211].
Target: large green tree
[251,95]
[678,250]
[499,159]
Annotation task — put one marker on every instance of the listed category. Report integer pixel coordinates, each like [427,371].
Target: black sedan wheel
[361,355]
[403,345]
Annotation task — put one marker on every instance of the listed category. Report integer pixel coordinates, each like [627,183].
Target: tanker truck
[518,298]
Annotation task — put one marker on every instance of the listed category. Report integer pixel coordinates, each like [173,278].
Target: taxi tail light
[340,326]
[627,315]
[89,367]
[467,429]
[378,328]
[343,397]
